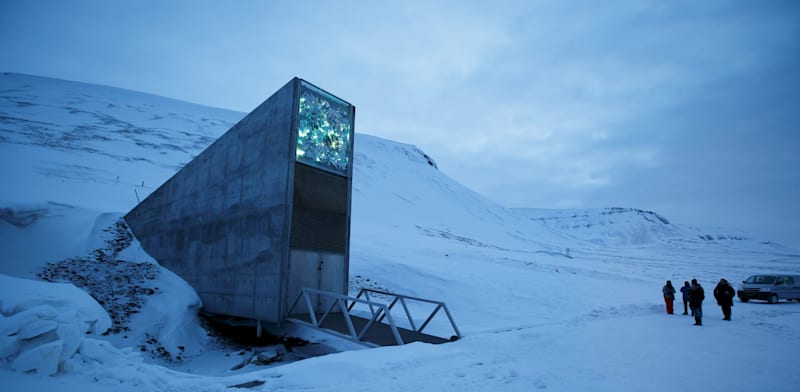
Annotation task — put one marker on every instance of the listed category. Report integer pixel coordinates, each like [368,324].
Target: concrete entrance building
[262,212]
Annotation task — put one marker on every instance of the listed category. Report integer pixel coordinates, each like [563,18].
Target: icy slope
[95,146]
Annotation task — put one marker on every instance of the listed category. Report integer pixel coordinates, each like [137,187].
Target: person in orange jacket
[669,296]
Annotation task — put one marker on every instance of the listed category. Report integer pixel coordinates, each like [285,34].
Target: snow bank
[169,318]
[43,324]
[32,234]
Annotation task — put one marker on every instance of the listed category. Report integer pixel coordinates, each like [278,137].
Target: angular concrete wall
[222,223]
[245,223]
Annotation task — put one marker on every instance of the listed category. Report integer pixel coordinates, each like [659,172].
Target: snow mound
[44,324]
[149,306]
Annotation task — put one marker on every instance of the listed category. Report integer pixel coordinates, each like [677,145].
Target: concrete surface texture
[224,222]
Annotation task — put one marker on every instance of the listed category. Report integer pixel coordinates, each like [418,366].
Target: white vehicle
[772,288]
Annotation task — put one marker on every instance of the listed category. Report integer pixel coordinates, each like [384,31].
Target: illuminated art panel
[324,129]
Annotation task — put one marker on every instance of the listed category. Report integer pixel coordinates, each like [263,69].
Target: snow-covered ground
[546,299]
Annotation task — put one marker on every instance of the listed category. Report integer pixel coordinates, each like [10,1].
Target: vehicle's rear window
[761,279]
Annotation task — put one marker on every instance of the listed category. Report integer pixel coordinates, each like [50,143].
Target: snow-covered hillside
[546,299]
[71,134]
[613,227]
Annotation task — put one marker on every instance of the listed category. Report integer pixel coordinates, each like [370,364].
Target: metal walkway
[365,320]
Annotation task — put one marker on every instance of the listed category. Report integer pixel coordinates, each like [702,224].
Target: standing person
[696,298]
[724,294]
[685,290]
[669,295]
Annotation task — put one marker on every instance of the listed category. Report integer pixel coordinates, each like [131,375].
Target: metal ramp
[365,320]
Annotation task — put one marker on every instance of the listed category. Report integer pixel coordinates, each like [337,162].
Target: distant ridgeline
[621,226]
[611,212]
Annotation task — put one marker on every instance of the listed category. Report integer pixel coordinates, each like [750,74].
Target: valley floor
[630,347]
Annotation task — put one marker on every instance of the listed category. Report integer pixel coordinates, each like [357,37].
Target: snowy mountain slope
[532,317]
[72,135]
[614,227]
[619,226]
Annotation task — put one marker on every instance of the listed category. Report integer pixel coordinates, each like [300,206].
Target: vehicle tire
[773,299]
[744,299]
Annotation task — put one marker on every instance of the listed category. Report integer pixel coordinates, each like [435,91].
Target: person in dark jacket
[685,293]
[724,294]
[696,297]
[669,295]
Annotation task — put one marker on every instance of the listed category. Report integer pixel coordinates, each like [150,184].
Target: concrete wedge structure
[262,212]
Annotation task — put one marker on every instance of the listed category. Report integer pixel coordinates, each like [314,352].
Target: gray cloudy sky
[687,108]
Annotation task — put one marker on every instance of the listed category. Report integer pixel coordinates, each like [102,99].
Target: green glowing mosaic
[324,129]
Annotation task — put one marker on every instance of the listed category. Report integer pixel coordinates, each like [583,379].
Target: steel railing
[342,302]
[400,298]
[378,311]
